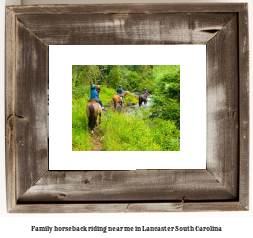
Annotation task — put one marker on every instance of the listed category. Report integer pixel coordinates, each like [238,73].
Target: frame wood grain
[223,186]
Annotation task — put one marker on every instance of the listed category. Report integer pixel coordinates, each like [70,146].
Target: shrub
[131,98]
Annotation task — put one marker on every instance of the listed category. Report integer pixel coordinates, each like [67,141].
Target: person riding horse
[93,109]
[119,91]
[94,94]
[143,97]
[146,93]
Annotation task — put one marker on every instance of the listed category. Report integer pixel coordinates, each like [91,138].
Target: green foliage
[133,81]
[85,74]
[167,109]
[80,91]
[80,131]
[166,99]
[130,132]
[131,77]
[114,77]
[169,84]
[106,94]
[130,98]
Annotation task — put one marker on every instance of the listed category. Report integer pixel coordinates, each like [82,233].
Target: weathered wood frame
[222,186]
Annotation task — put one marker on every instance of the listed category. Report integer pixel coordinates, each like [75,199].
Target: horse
[142,98]
[118,99]
[93,110]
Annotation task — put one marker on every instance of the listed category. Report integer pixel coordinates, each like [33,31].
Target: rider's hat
[119,86]
[93,86]
[145,89]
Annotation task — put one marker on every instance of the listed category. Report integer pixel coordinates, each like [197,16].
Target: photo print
[126,108]
[152,102]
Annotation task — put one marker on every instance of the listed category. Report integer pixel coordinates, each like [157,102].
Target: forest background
[156,127]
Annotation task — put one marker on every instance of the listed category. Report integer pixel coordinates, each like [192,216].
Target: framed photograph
[160,129]
[56,55]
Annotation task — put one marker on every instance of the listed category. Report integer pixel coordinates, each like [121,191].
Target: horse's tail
[92,121]
[114,101]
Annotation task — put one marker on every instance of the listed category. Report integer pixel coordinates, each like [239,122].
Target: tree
[114,77]
[85,74]
[133,80]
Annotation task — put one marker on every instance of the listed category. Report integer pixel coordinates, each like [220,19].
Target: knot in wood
[61,195]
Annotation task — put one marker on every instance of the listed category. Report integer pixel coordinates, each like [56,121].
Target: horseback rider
[119,91]
[94,94]
[146,93]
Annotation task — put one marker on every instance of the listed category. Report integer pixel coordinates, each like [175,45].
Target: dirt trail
[96,140]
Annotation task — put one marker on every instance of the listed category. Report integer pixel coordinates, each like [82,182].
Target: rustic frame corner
[223,186]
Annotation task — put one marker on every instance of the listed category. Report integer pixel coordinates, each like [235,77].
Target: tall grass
[80,131]
[131,132]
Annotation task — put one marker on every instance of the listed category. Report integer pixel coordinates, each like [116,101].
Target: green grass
[129,132]
[80,131]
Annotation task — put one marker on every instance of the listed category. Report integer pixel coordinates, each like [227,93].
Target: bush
[167,109]
[80,92]
[130,98]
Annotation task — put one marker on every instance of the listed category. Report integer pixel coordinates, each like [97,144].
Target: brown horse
[142,98]
[93,109]
[118,99]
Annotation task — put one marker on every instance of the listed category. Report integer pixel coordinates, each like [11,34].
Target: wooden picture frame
[223,186]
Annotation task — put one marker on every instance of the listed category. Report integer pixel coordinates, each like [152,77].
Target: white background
[192,61]
[235,224]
